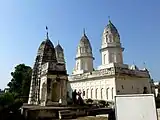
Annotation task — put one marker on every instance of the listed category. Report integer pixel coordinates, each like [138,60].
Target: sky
[23,22]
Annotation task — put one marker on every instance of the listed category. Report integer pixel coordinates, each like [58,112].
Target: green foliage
[16,105]
[9,104]
[102,102]
[20,82]
[6,99]
[89,101]
[18,91]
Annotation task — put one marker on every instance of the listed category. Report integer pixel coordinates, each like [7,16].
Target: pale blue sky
[22,29]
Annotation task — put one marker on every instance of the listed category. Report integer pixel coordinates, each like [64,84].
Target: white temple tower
[111,49]
[84,57]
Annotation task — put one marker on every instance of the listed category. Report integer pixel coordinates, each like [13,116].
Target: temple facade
[113,76]
[49,76]
[50,82]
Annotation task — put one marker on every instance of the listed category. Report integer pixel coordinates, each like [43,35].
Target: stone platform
[54,112]
[47,112]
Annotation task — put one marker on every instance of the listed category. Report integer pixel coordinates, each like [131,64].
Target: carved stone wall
[45,64]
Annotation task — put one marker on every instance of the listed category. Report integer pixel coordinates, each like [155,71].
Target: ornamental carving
[97,73]
[43,91]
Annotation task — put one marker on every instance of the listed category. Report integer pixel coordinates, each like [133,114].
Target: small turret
[59,54]
[84,57]
[111,49]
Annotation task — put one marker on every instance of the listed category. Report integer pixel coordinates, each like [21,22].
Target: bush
[6,99]
[89,101]
[102,102]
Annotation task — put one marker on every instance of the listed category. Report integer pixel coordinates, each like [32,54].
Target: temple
[49,76]
[112,77]
[50,82]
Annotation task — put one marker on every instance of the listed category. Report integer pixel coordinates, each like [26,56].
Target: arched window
[106,39]
[82,50]
[83,92]
[115,58]
[111,57]
[87,93]
[77,65]
[107,93]
[92,93]
[122,86]
[96,93]
[112,92]
[104,59]
[82,64]
[85,66]
[110,38]
[102,93]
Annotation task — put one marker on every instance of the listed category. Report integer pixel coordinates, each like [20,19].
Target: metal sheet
[135,107]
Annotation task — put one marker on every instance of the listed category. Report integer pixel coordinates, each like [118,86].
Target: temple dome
[111,31]
[134,67]
[46,49]
[110,27]
[84,42]
[59,47]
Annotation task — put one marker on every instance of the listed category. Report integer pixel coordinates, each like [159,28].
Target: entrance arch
[55,92]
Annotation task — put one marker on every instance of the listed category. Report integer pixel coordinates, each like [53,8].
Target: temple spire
[109,19]
[84,33]
[144,65]
[47,32]
[58,42]
[133,63]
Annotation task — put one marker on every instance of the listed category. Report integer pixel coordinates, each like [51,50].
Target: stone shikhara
[49,76]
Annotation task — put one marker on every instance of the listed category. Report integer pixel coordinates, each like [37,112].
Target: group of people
[77,99]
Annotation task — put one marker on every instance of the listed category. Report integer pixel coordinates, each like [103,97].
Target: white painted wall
[132,85]
[97,89]
[112,55]
[84,64]
[105,88]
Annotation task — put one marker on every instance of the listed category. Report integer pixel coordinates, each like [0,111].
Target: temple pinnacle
[84,33]
[47,32]
[109,20]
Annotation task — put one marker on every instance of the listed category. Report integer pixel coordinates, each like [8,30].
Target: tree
[6,99]
[20,82]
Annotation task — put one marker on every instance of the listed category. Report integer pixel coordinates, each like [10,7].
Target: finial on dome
[47,32]
[144,65]
[133,63]
[84,33]
[58,42]
[109,19]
